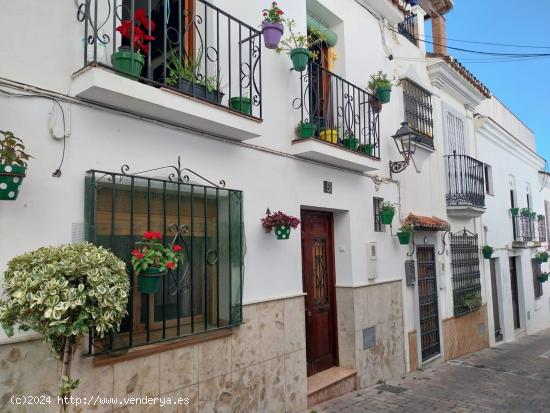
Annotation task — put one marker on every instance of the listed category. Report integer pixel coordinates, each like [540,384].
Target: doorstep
[330,383]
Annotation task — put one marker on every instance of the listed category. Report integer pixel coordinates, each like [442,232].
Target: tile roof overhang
[420,222]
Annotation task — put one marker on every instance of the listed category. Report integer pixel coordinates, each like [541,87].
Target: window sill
[105,87]
[143,351]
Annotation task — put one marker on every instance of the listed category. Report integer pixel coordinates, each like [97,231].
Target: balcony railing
[341,113]
[408,28]
[198,49]
[524,228]
[542,228]
[465,181]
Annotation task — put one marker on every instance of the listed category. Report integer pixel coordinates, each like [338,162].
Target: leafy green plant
[487,249]
[378,80]
[543,277]
[526,212]
[471,300]
[388,206]
[541,217]
[62,293]
[12,150]
[152,253]
[296,40]
[188,69]
[274,14]
[542,256]
[407,227]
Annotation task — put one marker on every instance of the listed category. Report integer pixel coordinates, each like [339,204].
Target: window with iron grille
[465,270]
[419,110]
[537,285]
[376,207]
[541,221]
[204,292]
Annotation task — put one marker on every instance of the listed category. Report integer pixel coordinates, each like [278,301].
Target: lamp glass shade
[405,140]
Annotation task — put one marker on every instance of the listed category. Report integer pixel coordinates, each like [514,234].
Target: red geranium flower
[140,26]
[279,12]
[170,265]
[136,252]
[176,248]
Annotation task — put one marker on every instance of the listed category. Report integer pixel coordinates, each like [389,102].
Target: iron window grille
[419,111]
[222,55]
[537,285]
[524,228]
[465,181]
[407,28]
[465,269]
[341,113]
[542,228]
[205,292]
[376,207]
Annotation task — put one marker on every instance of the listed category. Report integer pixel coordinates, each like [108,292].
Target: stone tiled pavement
[512,377]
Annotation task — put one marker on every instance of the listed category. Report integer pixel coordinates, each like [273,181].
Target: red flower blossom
[140,27]
[152,235]
[136,252]
[279,12]
[176,248]
[170,265]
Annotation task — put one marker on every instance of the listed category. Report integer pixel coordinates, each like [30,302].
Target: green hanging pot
[514,212]
[404,237]
[305,130]
[487,254]
[11,177]
[383,93]
[386,216]
[282,232]
[300,58]
[367,149]
[127,63]
[241,104]
[149,280]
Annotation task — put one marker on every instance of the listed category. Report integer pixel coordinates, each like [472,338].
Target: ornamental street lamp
[405,140]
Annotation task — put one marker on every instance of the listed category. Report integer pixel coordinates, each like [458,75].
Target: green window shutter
[314,24]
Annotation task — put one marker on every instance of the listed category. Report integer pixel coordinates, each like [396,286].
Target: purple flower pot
[272,33]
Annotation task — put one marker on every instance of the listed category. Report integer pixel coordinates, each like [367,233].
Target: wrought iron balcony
[465,182]
[524,228]
[191,47]
[408,28]
[341,114]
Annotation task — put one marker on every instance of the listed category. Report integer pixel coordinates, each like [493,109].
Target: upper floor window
[488,176]
[536,281]
[376,207]
[419,110]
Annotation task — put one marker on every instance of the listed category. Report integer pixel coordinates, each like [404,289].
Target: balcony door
[320,103]
[455,135]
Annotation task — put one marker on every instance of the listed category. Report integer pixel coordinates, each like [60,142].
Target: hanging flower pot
[281,223]
[386,213]
[542,257]
[350,142]
[329,135]
[149,280]
[300,58]
[241,104]
[383,93]
[11,177]
[272,26]
[380,86]
[128,63]
[404,237]
[487,251]
[305,130]
[272,33]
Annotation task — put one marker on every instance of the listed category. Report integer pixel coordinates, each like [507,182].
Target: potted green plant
[305,130]
[542,278]
[298,45]
[526,212]
[13,165]
[241,104]
[151,261]
[533,215]
[404,234]
[380,86]
[542,256]
[63,293]
[387,211]
[473,301]
[185,75]
[487,251]
[367,148]
[350,141]
[541,217]
[130,63]
[514,212]
[272,26]
[280,223]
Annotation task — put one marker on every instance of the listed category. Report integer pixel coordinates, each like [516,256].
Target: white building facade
[252,319]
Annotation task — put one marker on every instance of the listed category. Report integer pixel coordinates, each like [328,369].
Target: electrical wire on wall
[51,122]
[382,24]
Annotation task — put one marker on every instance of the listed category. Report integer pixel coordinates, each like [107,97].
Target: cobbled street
[512,377]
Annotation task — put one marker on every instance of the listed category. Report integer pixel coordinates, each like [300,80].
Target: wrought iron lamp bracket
[398,166]
[443,242]
[413,248]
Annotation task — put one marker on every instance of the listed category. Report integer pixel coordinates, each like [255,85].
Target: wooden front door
[319,281]
[494,289]
[515,292]
[427,300]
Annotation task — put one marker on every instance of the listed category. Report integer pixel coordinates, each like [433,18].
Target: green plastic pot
[350,143]
[127,63]
[514,212]
[386,216]
[11,177]
[383,93]
[404,237]
[241,104]
[300,58]
[282,232]
[149,280]
[487,254]
[367,149]
[305,130]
